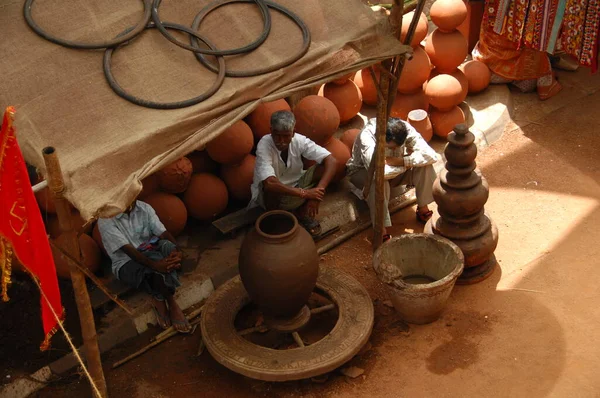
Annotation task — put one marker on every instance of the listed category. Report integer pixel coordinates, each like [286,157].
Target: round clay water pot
[316,118]
[206,196]
[98,238]
[458,75]
[175,177]
[447,15]
[477,74]
[53,227]
[404,103]
[170,211]
[202,162]
[341,153]
[278,264]
[443,122]
[415,72]
[90,255]
[344,79]
[150,185]
[446,50]
[260,118]
[444,92]
[232,145]
[348,138]
[45,202]
[420,32]
[365,84]
[420,121]
[346,97]
[238,178]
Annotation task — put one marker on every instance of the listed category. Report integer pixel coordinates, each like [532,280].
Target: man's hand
[312,208]
[314,194]
[168,264]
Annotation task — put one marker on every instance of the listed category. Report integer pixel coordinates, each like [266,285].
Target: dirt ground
[529,330]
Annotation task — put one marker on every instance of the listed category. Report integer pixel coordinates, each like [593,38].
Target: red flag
[22,230]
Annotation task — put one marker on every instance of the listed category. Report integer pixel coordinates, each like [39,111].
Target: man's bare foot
[162,313]
[178,319]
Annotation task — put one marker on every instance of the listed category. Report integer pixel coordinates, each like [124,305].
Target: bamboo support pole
[82,298]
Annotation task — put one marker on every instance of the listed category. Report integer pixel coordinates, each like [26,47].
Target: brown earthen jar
[279,264]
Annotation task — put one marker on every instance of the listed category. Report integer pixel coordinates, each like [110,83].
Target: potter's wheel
[341,320]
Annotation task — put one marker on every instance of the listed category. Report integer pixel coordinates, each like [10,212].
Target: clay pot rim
[283,236]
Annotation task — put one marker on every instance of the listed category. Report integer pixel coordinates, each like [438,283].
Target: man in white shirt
[145,257]
[279,179]
[409,161]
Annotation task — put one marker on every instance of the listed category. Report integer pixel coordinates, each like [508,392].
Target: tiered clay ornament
[346,97]
[202,162]
[260,118]
[175,177]
[232,145]
[341,153]
[170,211]
[366,85]
[404,103]
[420,32]
[461,192]
[443,122]
[416,71]
[446,50]
[348,138]
[206,196]
[150,185]
[316,118]
[90,255]
[420,121]
[238,178]
[444,92]
[478,75]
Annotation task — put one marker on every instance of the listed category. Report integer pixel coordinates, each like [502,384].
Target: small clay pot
[443,122]
[238,178]
[150,185]
[260,118]
[420,121]
[90,255]
[447,15]
[170,211]
[365,84]
[346,97]
[175,177]
[232,145]
[202,162]
[446,50]
[206,196]
[416,71]
[420,32]
[316,118]
[404,103]
[348,138]
[444,92]
[278,264]
[341,153]
[458,75]
[477,74]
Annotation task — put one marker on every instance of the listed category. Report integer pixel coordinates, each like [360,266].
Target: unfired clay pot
[444,121]
[206,196]
[202,162]
[346,97]
[344,79]
[170,210]
[90,255]
[420,32]
[341,153]
[238,178]
[365,84]
[447,15]
[420,121]
[317,118]
[260,118]
[446,50]
[278,264]
[444,92]
[404,103]
[175,177]
[150,185]
[232,145]
[458,75]
[477,74]
[349,136]
[416,71]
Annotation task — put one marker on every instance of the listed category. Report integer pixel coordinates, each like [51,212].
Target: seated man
[145,257]
[279,179]
[409,161]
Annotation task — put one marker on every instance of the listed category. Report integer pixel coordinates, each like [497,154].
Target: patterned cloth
[581,24]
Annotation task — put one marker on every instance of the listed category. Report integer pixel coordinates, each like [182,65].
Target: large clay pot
[477,74]
[150,185]
[175,177]
[447,15]
[77,223]
[348,138]
[346,97]
[90,255]
[344,79]
[443,122]
[170,211]
[278,264]
[341,153]
[420,121]
[458,75]
[202,162]
[44,199]
[98,238]
[420,32]
[232,145]
[206,196]
[404,103]
[316,118]
[446,50]
[238,178]
[260,118]
[444,92]
[365,84]
[415,72]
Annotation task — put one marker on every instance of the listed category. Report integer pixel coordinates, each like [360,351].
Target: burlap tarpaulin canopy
[106,144]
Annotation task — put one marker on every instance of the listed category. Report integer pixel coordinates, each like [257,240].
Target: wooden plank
[237,220]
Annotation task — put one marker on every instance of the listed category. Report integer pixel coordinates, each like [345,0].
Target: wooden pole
[84,307]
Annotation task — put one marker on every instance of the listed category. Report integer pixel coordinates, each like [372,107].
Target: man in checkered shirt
[409,161]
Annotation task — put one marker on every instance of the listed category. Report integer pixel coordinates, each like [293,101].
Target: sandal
[164,322]
[424,217]
[545,93]
[386,237]
[311,225]
[182,326]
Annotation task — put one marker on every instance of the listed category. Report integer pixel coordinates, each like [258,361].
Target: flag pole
[84,308]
